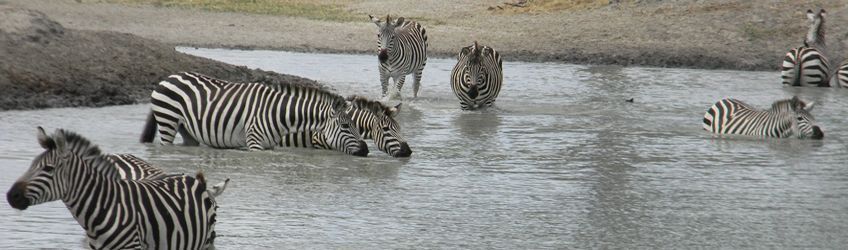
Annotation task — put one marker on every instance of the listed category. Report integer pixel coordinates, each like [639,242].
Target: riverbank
[48,65]
[719,34]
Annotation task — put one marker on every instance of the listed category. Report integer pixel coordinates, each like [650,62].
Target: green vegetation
[317,10]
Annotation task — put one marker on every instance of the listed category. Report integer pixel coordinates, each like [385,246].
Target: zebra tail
[796,80]
[149,131]
[708,119]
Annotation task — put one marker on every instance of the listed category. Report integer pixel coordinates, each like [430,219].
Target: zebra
[130,167]
[808,65]
[477,77]
[785,118]
[223,114]
[841,75]
[375,121]
[402,50]
[173,212]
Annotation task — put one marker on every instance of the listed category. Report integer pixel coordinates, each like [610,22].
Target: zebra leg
[167,129]
[188,140]
[416,82]
[384,81]
[398,86]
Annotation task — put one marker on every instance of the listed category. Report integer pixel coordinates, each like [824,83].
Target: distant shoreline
[751,35]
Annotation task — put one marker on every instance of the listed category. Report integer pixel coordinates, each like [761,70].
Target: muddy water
[563,161]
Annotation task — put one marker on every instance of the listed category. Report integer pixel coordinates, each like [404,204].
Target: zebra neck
[318,141]
[90,198]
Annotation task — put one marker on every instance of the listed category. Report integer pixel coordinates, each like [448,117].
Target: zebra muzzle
[472,91]
[383,55]
[817,133]
[17,196]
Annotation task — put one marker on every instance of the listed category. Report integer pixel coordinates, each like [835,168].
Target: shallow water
[563,162]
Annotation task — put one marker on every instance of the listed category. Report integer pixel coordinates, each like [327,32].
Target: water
[563,162]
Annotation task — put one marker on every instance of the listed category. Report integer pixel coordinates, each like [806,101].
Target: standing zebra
[785,118]
[808,65]
[130,167]
[477,77]
[172,212]
[402,50]
[375,121]
[222,114]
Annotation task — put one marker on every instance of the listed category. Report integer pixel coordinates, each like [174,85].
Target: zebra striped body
[477,77]
[221,114]
[130,167]
[808,65]
[171,212]
[374,120]
[402,50]
[785,118]
[805,66]
[841,75]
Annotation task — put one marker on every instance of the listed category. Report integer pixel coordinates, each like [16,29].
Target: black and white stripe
[785,118]
[808,65]
[222,114]
[841,75]
[477,77]
[402,50]
[171,212]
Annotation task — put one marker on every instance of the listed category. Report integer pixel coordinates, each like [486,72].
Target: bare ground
[47,65]
[747,35]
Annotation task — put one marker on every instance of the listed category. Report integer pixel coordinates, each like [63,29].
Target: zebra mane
[87,151]
[375,107]
[788,104]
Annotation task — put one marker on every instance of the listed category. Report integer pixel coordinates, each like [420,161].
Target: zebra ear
[59,140]
[810,14]
[395,110]
[375,20]
[45,141]
[809,107]
[399,21]
[822,13]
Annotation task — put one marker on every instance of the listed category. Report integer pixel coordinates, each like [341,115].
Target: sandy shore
[748,35]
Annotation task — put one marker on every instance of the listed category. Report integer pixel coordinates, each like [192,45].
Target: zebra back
[477,77]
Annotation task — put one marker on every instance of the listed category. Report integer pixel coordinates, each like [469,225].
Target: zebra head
[50,174]
[341,133]
[386,35]
[377,121]
[803,123]
[816,33]
[474,74]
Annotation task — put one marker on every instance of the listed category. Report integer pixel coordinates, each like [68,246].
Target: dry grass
[325,10]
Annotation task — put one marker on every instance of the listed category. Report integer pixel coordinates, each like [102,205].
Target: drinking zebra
[222,114]
[375,121]
[808,65]
[171,212]
[402,50]
[785,118]
[477,77]
[130,167]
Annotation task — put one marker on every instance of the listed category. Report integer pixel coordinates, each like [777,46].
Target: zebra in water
[130,167]
[841,75]
[808,65]
[785,118]
[477,77]
[375,121]
[171,212]
[222,114]
[402,50]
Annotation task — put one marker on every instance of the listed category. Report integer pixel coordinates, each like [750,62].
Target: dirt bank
[726,34]
[47,65]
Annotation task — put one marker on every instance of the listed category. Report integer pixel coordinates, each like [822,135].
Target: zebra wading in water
[222,114]
[808,65]
[375,121]
[785,118]
[477,77]
[170,212]
[401,50]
